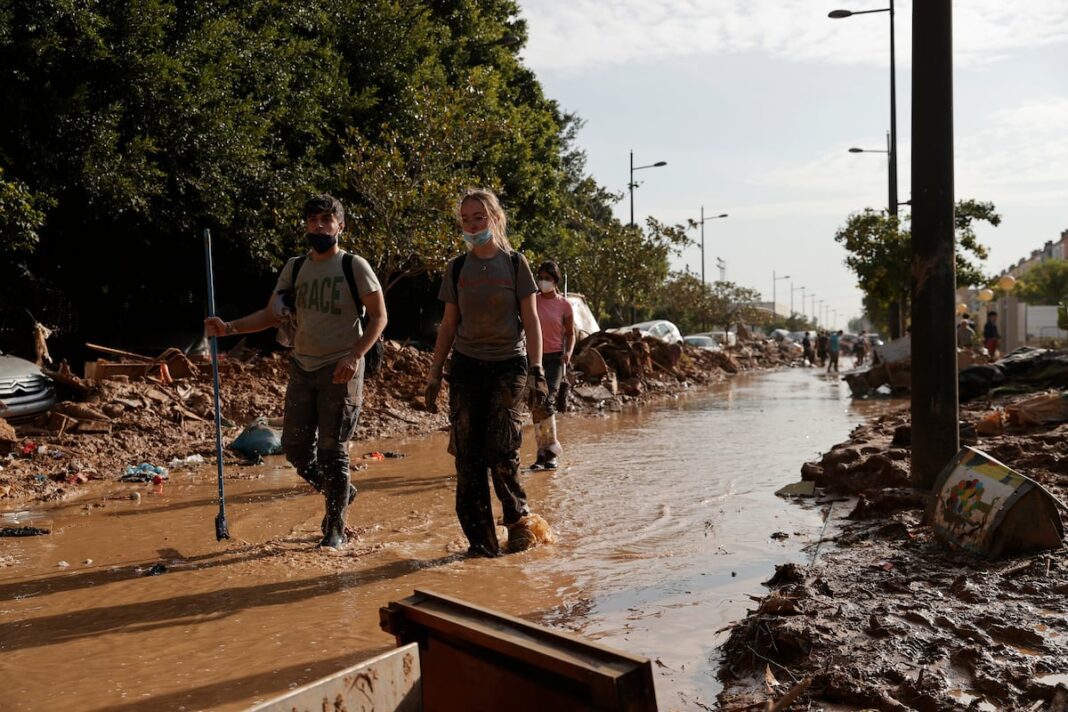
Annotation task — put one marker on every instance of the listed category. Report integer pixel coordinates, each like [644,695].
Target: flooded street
[664,518]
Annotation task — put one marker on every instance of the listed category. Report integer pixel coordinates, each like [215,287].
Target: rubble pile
[610,369]
[134,409]
[885,615]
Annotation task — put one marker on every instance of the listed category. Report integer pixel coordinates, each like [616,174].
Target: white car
[660,328]
[702,341]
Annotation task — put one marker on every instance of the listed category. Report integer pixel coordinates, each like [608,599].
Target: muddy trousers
[486,432]
[545,429]
[320,418]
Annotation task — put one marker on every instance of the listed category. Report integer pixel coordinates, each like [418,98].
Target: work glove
[538,394]
[433,387]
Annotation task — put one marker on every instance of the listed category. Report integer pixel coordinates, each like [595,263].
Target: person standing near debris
[822,342]
[325,390]
[806,349]
[991,335]
[833,346]
[860,349]
[965,333]
[489,296]
[558,339]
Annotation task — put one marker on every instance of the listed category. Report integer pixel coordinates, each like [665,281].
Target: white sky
[754,103]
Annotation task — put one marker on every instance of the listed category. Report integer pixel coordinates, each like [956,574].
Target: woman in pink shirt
[558,340]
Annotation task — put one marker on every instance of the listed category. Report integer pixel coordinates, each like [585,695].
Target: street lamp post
[792,290]
[892,148]
[702,222]
[632,185]
[774,284]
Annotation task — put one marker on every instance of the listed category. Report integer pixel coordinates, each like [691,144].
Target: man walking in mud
[327,289]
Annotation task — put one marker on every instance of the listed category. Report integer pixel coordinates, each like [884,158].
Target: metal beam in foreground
[387,683]
[935,432]
[473,658]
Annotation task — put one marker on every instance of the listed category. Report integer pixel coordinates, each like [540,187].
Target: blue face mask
[477,239]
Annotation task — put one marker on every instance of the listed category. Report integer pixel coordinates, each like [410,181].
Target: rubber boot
[337,501]
[326,517]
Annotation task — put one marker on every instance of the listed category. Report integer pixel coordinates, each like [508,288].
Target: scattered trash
[391,454]
[993,423]
[1051,407]
[374,456]
[87,562]
[187,461]
[780,536]
[157,479]
[257,439]
[135,496]
[23,531]
[145,472]
[63,565]
[29,448]
[804,488]
[77,478]
[156,570]
[884,565]
[984,507]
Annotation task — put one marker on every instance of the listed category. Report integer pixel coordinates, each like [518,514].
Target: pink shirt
[551,313]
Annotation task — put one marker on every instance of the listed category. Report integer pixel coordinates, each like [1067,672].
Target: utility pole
[935,430]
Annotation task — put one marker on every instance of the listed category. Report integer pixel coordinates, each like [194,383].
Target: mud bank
[882,616]
[101,428]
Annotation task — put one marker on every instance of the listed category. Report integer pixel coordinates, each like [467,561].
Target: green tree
[731,304]
[878,250]
[1045,284]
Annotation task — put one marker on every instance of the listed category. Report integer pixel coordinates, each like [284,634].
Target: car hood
[15,367]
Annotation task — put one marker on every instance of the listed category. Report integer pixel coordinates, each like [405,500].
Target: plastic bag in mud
[257,439]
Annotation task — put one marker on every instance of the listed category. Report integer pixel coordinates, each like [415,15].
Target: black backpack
[372,360]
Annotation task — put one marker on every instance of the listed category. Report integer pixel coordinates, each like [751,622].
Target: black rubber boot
[337,491]
[326,517]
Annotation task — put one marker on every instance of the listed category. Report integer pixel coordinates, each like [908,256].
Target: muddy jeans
[484,410]
[553,365]
[320,418]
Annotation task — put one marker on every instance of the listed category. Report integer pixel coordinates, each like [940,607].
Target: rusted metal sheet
[473,658]
[388,683]
[983,506]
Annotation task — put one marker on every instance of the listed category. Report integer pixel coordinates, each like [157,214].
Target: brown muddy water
[664,518]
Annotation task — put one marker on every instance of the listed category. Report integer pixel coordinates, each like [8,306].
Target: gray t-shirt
[328,320]
[489,294]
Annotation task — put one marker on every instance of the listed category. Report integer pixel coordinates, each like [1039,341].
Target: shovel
[221,530]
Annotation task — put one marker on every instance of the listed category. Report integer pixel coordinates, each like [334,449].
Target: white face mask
[546,285]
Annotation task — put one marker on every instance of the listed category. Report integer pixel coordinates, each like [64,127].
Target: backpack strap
[297,264]
[350,277]
[458,265]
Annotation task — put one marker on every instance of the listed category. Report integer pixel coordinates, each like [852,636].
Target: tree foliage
[1045,284]
[878,250]
[694,306]
[131,126]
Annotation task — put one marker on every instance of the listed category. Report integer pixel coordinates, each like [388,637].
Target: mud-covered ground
[110,425]
[883,616]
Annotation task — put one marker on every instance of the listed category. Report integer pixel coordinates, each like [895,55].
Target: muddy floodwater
[664,517]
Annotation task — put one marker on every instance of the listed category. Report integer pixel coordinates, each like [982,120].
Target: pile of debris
[130,409]
[886,615]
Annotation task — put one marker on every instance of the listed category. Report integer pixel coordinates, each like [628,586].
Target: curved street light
[774,284]
[700,222]
[892,145]
[632,185]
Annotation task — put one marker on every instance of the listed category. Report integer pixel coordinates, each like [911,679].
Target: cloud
[584,34]
[1020,154]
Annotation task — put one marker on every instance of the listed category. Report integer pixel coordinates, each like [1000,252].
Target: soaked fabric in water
[484,410]
[320,418]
